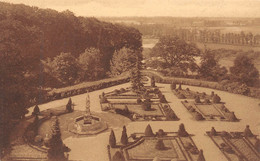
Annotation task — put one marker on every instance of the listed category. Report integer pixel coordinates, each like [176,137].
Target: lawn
[147,150]
[137,108]
[208,110]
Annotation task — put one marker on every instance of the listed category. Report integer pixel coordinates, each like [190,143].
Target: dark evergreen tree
[56,146]
[36,110]
[112,139]
[124,138]
[216,99]
[201,156]
[136,76]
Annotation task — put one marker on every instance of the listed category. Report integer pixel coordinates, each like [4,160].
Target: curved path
[94,148]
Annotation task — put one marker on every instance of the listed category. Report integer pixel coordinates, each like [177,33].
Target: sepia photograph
[129,80]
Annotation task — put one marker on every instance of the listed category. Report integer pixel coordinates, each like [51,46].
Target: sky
[174,8]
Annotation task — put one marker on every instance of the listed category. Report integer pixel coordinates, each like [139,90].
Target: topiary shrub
[192,109]
[139,101]
[118,156]
[182,132]
[124,138]
[160,145]
[181,96]
[248,132]
[207,101]
[69,106]
[188,145]
[148,131]
[179,88]
[232,117]
[163,99]
[36,110]
[173,86]
[213,132]
[197,99]
[147,106]
[216,99]
[212,94]
[198,116]
[194,150]
[112,139]
[187,89]
[161,133]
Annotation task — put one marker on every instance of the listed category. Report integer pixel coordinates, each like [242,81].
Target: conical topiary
[160,145]
[148,131]
[248,132]
[112,139]
[182,132]
[69,106]
[118,156]
[36,110]
[180,88]
[213,132]
[216,99]
[232,116]
[124,138]
[201,156]
[197,99]
[173,86]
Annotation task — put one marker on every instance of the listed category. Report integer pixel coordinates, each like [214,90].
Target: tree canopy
[244,71]
[176,52]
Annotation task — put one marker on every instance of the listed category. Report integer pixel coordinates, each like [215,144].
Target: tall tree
[210,68]
[176,52]
[56,146]
[244,71]
[64,67]
[136,76]
[123,60]
[91,64]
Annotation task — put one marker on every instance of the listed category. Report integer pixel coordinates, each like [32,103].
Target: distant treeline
[39,45]
[200,35]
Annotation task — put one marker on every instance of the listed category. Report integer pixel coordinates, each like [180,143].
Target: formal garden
[138,104]
[166,146]
[203,106]
[237,145]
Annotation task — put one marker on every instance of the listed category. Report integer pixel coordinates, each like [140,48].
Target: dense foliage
[40,48]
[244,71]
[176,54]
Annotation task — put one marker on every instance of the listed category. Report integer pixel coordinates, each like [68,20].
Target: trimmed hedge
[225,85]
[81,88]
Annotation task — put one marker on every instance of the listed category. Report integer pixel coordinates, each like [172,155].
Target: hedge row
[232,87]
[80,89]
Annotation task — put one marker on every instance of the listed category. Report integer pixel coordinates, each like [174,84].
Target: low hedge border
[80,89]
[234,87]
